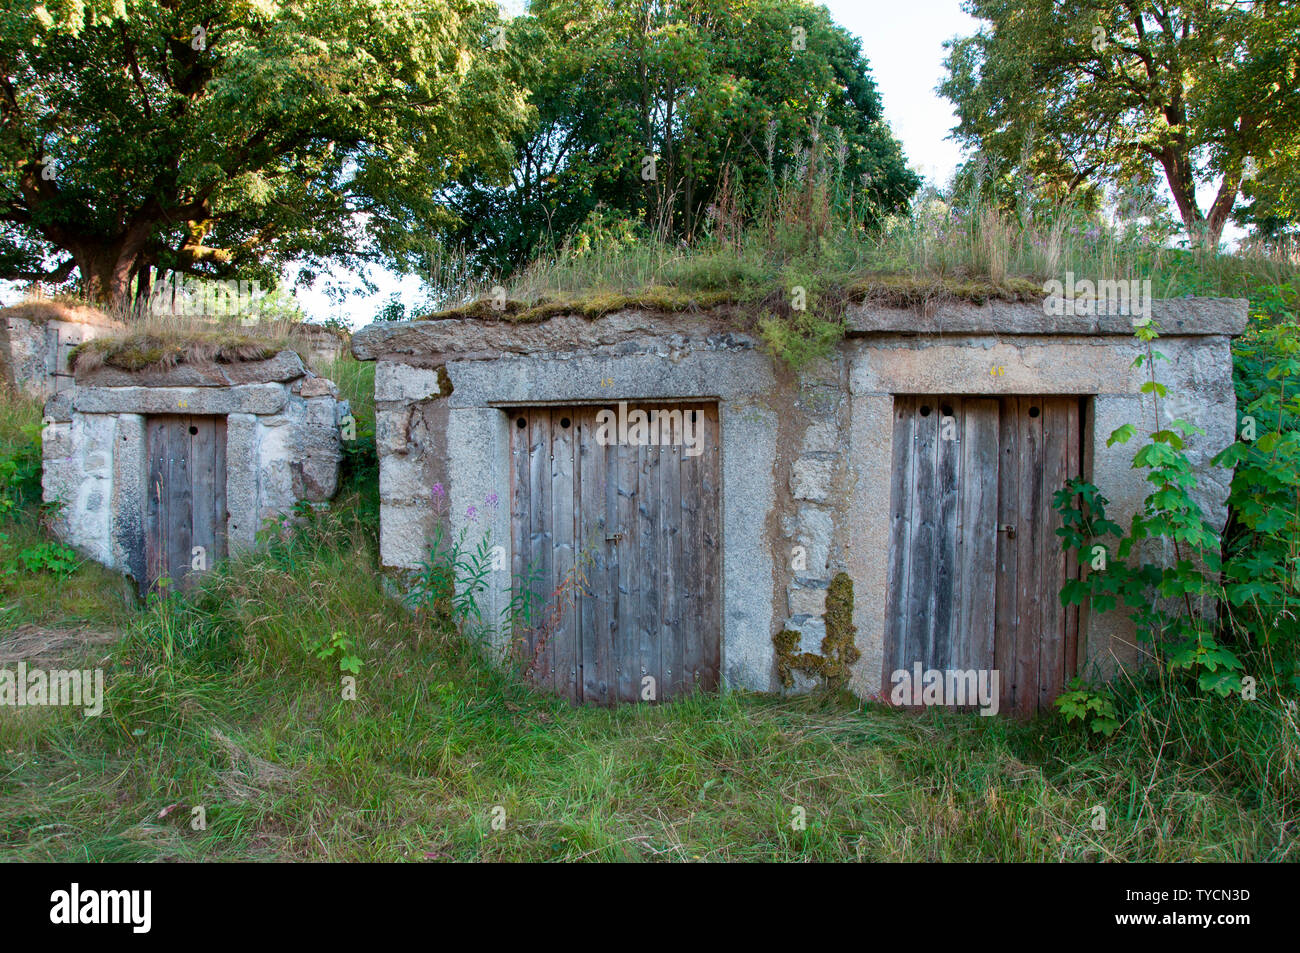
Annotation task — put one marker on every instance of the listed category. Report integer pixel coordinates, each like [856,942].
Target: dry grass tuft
[39,645]
[248,777]
[43,310]
[162,342]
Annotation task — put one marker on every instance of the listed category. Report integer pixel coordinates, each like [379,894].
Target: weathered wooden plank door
[621,543]
[61,340]
[185,518]
[975,566]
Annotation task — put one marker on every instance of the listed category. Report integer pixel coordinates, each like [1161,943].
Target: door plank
[1030,553]
[565,636]
[693,624]
[540,539]
[203,477]
[647,543]
[180,513]
[629,585]
[578,578]
[1074,454]
[947,642]
[597,620]
[1008,552]
[900,536]
[219,508]
[673,648]
[611,594]
[156,507]
[523,638]
[1057,439]
[979,537]
[924,541]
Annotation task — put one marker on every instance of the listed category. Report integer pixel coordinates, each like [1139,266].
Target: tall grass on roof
[806,229]
[162,341]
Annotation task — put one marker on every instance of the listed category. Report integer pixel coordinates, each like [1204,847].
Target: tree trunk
[1182,185]
[106,268]
[1223,205]
[98,268]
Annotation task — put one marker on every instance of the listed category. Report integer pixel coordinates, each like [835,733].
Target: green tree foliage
[724,94]
[226,137]
[1262,550]
[1117,91]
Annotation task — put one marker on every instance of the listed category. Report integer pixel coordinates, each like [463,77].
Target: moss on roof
[141,350]
[886,290]
[919,291]
[594,305]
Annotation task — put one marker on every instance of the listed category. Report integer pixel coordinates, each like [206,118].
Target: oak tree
[228,137]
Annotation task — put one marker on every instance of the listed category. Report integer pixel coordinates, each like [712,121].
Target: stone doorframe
[1098,367]
[282,445]
[477,452]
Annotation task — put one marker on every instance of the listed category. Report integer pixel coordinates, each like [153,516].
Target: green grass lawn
[215,702]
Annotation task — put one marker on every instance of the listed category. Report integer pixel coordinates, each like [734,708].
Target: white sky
[903,43]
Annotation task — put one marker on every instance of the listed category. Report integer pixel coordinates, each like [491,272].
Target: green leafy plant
[450,582]
[1169,602]
[337,644]
[20,471]
[1093,707]
[51,557]
[1262,548]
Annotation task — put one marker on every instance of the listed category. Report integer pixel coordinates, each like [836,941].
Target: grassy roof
[938,254]
[888,290]
[44,310]
[160,342]
[148,350]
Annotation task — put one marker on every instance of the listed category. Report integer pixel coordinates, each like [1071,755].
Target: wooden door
[185,519]
[621,544]
[975,565]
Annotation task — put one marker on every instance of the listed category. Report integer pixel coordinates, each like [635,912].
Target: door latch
[614,538]
[1008,529]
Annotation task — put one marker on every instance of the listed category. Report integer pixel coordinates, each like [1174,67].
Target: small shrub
[51,557]
[337,644]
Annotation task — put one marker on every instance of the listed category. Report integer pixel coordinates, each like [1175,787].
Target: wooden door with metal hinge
[975,565]
[185,518]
